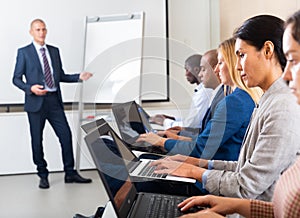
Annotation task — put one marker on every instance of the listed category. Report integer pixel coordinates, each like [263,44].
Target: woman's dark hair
[294,20]
[259,29]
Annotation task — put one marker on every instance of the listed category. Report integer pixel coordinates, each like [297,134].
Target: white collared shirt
[38,47]
[200,103]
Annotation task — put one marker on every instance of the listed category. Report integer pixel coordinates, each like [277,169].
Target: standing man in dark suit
[40,65]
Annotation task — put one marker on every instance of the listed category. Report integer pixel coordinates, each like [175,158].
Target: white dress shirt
[198,108]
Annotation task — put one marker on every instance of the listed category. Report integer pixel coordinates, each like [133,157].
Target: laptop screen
[145,119]
[128,157]
[128,120]
[112,170]
[88,127]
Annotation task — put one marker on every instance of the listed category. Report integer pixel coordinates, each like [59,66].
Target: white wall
[193,28]
[15,146]
[234,12]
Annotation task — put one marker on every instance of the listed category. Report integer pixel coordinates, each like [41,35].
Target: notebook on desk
[119,187]
[132,121]
[105,143]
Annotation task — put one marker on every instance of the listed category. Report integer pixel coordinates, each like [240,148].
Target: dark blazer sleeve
[28,71]
[28,67]
[19,72]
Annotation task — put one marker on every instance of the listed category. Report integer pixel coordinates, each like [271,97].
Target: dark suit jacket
[28,65]
[211,110]
[190,131]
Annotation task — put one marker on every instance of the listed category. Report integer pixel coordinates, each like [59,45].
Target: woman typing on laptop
[286,199]
[272,140]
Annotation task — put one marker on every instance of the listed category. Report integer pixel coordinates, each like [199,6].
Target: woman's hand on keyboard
[190,160]
[216,205]
[176,168]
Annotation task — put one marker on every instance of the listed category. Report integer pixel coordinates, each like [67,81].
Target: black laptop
[121,190]
[132,121]
[138,168]
[92,125]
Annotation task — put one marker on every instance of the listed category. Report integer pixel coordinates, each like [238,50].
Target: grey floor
[20,196]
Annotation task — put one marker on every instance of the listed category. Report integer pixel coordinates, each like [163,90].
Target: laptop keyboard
[149,172]
[164,206]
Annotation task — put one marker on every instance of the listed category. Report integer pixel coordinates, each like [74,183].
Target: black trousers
[53,112]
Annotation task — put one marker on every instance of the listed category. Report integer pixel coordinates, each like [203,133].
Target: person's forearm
[196,161]
[229,205]
[203,163]
[241,206]
[197,173]
[183,138]
[162,142]
[172,135]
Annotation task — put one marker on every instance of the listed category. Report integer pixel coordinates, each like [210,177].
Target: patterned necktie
[48,76]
